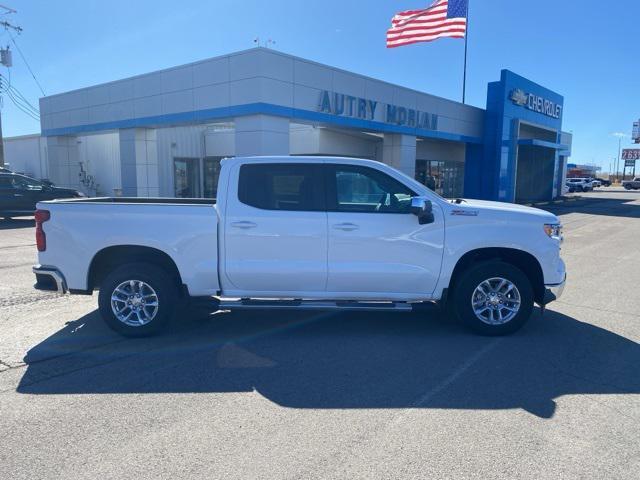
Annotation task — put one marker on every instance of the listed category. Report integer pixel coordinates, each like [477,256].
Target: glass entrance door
[429,173]
[186,177]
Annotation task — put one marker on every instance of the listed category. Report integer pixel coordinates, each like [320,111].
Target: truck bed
[184,229]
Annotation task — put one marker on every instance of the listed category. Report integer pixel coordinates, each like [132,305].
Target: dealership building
[164,133]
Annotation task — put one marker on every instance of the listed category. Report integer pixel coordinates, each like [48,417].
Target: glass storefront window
[186,177]
[443,177]
[196,177]
[210,174]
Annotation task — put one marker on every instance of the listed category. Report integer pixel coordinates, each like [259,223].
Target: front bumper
[553,292]
[49,278]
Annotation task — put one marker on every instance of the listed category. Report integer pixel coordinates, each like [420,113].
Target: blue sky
[580,49]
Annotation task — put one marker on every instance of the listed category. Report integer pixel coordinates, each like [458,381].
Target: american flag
[445,18]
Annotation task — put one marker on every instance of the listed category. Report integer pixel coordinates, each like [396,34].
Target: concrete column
[560,175]
[399,151]
[63,160]
[261,135]
[139,162]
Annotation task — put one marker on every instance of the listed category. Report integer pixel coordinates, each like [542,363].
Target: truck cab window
[365,190]
[295,187]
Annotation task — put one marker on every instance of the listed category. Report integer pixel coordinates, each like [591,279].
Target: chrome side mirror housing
[422,208]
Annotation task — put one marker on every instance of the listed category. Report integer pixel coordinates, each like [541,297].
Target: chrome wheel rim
[496,301]
[134,303]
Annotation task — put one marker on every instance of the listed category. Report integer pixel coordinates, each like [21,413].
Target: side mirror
[423,209]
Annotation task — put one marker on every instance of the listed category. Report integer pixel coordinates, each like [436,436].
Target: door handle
[244,225]
[347,227]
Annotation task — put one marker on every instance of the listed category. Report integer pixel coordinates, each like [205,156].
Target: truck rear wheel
[493,298]
[137,299]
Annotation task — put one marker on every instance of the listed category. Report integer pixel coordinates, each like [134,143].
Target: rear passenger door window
[292,187]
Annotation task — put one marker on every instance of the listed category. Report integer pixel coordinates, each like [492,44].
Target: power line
[18,98]
[23,110]
[19,103]
[8,10]
[24,105]
[19,94]
[5,59]
[20,106]
[25,60]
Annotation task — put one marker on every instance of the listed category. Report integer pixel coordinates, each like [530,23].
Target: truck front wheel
[493,298]
[137,299]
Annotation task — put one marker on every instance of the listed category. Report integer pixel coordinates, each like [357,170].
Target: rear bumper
[49,278]
[553,292]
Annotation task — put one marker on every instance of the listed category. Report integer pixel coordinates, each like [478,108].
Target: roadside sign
[631,154]
[629,163]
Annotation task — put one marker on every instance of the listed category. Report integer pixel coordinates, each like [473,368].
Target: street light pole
[618,160]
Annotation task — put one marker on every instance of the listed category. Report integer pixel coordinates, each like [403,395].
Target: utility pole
[6,60]
[620,136]
[1,145]
[619,154]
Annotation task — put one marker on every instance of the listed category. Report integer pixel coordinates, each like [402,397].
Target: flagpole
[464,75]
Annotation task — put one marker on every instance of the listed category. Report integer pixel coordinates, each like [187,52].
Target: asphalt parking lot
[297,396]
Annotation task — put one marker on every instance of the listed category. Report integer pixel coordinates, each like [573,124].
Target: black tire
[469,280]
[158,279]
[627,187]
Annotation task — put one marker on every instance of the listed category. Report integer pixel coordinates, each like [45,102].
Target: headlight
[553,230]
[81,194]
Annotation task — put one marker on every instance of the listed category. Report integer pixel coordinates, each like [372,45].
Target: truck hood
[470,205]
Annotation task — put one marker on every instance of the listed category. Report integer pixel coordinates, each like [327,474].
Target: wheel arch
[111,257]
[524,261]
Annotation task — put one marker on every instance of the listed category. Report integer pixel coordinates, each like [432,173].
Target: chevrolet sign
[536,103]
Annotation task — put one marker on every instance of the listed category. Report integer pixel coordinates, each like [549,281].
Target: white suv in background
[579,185]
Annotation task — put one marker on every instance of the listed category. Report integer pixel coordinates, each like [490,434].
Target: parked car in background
[632,184]
[595,183]
[303,233]
[604,182]
[579,185]
[19,194]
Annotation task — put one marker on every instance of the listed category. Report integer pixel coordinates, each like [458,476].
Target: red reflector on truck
[41,216]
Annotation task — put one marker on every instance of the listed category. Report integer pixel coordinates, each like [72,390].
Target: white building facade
[164,133]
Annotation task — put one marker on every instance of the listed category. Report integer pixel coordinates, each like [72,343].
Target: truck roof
[301,159]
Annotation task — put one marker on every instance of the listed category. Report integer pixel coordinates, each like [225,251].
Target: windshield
[27,183]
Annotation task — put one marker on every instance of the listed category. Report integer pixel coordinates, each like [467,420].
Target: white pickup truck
[303,233]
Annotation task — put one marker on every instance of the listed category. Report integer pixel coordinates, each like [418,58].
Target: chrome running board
[250,304]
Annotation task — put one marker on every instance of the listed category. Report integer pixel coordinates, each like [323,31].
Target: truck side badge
[465,213]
